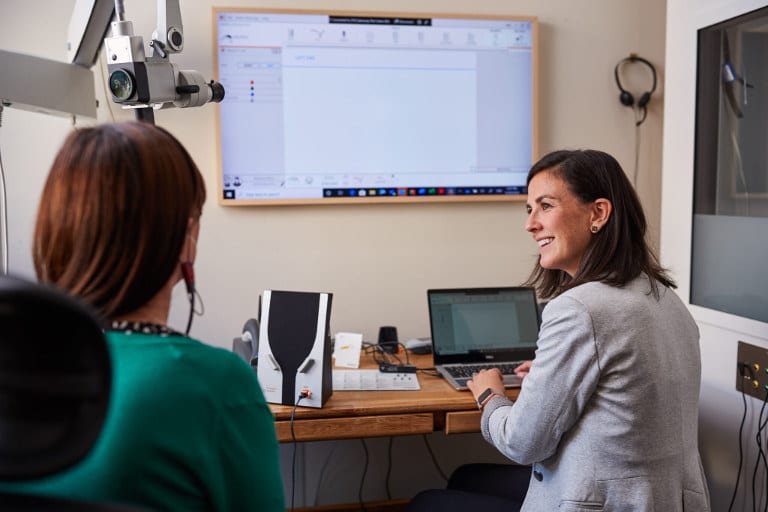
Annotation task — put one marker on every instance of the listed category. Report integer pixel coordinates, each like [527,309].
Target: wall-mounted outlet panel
[753,378]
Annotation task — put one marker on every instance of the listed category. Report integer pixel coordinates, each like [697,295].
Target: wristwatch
[486,397]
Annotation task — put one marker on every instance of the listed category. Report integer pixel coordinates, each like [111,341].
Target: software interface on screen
[462,323]
[347,106]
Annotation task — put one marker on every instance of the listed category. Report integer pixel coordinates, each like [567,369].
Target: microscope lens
[121,84]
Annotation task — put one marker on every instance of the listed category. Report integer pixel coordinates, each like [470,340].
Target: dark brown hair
[618,253]
[114,214]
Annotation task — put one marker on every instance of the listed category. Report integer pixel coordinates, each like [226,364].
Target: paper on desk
[347,349]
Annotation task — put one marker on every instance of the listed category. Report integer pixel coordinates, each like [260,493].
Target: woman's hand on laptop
[485,379]
[523,369]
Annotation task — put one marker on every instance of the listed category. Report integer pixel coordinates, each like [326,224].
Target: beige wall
[378,260]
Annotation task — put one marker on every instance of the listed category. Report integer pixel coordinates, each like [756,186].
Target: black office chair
[55,378]
[478,486]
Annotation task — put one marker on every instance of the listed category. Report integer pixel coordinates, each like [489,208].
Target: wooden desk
[357,414]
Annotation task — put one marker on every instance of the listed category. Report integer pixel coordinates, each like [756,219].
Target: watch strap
[486,396]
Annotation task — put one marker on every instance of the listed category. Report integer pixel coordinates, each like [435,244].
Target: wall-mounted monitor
[333,107]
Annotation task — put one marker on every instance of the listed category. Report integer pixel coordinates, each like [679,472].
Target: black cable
[434,459]
[301,396]
[322,475]
[381,356]
[644,110]
[191,297]
[636,170]
[362,478]
[193,294]
[760,452]
[741,431]
[432,371]
[405,351]
[200,301]
[389,467]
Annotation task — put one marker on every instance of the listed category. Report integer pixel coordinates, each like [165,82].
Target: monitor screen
[327,107]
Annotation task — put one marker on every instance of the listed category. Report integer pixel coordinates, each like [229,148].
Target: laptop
[476,328]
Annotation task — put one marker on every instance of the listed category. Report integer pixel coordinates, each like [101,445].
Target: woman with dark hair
[607,414]
[188,427]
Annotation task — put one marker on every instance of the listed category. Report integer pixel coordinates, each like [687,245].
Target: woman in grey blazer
[608,411]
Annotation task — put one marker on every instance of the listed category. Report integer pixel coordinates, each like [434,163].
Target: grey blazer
[608,415]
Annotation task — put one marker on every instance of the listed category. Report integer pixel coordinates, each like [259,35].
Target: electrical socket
[753,378]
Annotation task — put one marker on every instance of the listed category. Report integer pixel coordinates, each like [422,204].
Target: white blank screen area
[362,111]
[485,325]
[251,126]
[505,111]
[251,138]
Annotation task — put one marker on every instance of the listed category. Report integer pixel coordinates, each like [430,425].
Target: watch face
[484,396]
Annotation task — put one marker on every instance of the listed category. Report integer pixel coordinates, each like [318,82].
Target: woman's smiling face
[559,222]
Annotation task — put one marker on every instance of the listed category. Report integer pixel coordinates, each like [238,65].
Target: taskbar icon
[424,191]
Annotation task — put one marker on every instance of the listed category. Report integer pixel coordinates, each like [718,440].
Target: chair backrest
[55,384]
[55,378]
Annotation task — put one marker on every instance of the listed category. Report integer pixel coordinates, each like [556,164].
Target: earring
[594,228]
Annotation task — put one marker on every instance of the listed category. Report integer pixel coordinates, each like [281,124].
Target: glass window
[729,267]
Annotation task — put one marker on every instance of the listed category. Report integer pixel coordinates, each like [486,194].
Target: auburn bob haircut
[114,214]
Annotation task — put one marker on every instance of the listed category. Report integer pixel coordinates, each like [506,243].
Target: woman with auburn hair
[188,427]
[607,415]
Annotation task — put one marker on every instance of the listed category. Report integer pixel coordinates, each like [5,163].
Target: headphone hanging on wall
[626,97]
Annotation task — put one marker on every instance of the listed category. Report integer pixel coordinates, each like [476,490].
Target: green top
[188,429]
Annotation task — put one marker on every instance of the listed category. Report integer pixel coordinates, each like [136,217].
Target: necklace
[129,327]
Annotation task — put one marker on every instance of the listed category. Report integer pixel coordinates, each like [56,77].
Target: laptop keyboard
[465,371]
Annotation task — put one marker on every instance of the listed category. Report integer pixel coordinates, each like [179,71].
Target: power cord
[431,371]
[304,394]
[388,360]
[382,357]
[434,459]
[322,474]
[362,478]
[760,452]
[389,467]
[742,371]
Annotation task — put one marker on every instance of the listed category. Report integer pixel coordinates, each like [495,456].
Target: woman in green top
[188,428]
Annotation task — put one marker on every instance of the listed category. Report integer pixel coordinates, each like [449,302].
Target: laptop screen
[473,324]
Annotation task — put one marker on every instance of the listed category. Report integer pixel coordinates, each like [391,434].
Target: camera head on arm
[148,83]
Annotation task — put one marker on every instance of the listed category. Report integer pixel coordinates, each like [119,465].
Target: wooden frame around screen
[378,199]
